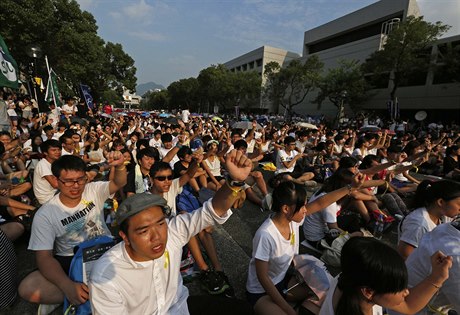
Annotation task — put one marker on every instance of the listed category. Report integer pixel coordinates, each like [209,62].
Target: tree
[68,36]
[184,93]
[344,84]
[155,100]
[288,87]
[220,87]
[407,51]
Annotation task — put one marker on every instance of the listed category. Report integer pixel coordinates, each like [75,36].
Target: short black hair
[52,143]
[240,144]
[68,163]
[150,152]
[183,152]
[159,166]
[166,137]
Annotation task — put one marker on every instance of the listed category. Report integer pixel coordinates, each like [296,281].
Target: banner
[85,90]
[8,68]
[52,92]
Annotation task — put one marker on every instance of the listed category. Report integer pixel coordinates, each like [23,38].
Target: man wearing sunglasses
[72,216]
[141,274]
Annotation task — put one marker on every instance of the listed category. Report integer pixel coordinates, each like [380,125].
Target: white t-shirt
[315,225]
[61,228]
[269,245]
[163,152]
[119,285]
[415,225]
[445,238]
[154,143]
[171,195]
[69,109]
[284,157]
[214,166]
[42,188]
[185,115]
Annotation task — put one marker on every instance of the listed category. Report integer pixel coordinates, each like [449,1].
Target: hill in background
[141,89]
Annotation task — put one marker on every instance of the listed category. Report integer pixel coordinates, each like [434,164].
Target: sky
[173,40]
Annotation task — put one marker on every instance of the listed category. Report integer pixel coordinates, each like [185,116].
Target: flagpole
[49,78]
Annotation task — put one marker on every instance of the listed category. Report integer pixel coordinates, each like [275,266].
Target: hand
[238,165]
[77,293]
[357,181]
[115,158]
[198,156]
[440,265]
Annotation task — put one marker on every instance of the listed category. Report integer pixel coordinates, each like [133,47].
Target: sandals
[25,219]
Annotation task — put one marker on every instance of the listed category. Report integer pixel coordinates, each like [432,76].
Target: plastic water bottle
[327,172]
[378,229]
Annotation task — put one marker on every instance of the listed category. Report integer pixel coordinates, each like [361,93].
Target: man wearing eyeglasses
[72,216]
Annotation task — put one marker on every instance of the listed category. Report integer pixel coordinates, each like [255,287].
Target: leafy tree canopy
[407,50]
[288,87]
[344,83]
[68,36]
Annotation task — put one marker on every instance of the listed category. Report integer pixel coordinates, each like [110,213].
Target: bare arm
[421,294]
[49,267]
[269,287]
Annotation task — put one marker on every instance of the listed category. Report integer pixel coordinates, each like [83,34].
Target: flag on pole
[86,91]
[52,92]
[8,67]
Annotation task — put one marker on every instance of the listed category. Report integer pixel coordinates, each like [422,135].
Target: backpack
[186,200]
[85,255]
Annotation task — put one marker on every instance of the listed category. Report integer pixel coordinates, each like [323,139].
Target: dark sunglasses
[163,178]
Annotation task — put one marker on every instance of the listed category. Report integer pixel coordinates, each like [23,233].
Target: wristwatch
[234,183]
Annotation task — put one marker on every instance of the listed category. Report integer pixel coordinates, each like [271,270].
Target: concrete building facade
[256,60]
[356,36]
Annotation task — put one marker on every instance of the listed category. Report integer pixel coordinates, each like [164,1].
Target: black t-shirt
[450,164]
[131,182]
[178,168]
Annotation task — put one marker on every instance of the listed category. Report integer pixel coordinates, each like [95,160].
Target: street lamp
[34,52]
[342,96]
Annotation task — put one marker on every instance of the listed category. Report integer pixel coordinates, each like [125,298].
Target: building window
[259,62]
[244,67]
[251,65]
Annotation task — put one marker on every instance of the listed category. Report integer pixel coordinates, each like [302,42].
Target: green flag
[52,92]
[8,67]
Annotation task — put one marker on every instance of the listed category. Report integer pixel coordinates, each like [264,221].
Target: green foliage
[68,36]
[346,78]
[184,93]
[406,51]
[288,87]
[155,100]
[221,87]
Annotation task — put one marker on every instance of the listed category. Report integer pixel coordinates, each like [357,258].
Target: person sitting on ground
[45,184]
[139,180]
[9,232]
[444,238]
[199,180]
[374,275]
[11,161]
[211,164]
[286,161]
[147,261]
[275,244]
[214,280]
[434,203]
[451,163]
[72,216]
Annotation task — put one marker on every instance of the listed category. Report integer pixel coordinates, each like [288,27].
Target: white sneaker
[46,309]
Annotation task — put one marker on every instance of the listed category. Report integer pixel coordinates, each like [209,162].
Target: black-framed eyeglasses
[163,178]
[72,182]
